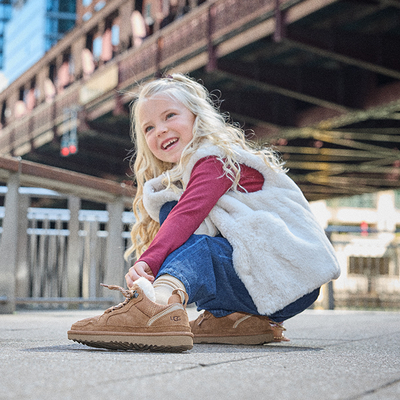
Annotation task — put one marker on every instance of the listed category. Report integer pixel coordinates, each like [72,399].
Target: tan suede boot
[235,328]
[136,324]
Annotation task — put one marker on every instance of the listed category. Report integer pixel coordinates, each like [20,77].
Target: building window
[99,5]
[369,266]
[397,199]
[86,16]
[61,6]
[65,25]
[3,119]
[115,35]
[366,200]
[5,10]
[97,47]
[67,6]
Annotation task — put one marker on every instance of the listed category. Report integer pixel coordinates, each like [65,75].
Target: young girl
[218,223]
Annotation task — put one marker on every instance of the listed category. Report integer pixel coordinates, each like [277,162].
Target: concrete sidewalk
[332,355]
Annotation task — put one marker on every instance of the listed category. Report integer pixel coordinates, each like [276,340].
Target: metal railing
[43,266]
[59,255]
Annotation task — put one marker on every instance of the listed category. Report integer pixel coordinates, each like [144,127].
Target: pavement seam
[372,391]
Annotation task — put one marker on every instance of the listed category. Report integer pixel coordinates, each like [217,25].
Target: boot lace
[204,316]
[277,325]
[128,293]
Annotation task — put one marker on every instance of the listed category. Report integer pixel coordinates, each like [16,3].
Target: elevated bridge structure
[318,79]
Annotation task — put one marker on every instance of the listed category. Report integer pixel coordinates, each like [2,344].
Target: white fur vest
[280,252]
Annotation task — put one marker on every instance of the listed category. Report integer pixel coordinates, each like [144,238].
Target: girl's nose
[161,129]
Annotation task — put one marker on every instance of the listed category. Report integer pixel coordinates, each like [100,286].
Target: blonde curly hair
[210,126]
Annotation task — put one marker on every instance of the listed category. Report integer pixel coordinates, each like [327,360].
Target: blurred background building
[33,27]
[365,232]
[5,15]
[86,8]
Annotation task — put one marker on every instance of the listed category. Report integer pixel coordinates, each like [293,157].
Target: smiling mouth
[167,145]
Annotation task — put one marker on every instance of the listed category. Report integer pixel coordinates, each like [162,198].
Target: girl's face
[167,126]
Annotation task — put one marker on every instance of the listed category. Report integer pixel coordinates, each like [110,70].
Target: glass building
[5,15]
[34,27]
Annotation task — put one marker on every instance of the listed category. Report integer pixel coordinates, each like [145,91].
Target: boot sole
[163,342]
[245,339]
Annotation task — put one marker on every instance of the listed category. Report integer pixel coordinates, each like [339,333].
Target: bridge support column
[74,205]
[115,250]
[9,246]
[22,273]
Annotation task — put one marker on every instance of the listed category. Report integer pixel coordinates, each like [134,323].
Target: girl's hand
[138,270]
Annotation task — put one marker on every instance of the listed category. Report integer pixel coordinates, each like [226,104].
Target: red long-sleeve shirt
[208,182]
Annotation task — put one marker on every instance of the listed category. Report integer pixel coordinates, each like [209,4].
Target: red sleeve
[207,184]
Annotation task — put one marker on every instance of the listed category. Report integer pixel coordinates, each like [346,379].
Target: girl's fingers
[129,280]
[137,271]
[131,277]
[147,276]
[142,269]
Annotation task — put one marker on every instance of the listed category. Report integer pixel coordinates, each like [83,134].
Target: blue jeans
[204,265]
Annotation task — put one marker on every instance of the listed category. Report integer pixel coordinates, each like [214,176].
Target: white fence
[55,256]
[45,245]
[43,262]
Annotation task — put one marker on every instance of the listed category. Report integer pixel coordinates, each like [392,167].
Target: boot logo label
[170,310]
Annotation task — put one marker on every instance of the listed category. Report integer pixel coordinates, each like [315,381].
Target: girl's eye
[170,115]
[148,129]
